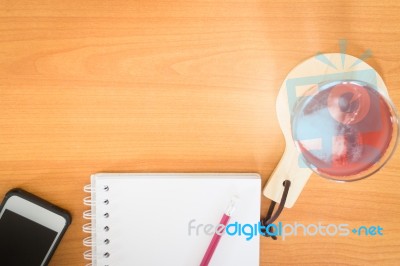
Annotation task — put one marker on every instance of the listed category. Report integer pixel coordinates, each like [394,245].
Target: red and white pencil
[217,236]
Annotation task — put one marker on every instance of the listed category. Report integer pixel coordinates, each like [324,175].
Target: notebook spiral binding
[89,228]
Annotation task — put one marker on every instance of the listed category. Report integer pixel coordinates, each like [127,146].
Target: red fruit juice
[344,129]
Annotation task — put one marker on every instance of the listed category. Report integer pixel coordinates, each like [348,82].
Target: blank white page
[149,216]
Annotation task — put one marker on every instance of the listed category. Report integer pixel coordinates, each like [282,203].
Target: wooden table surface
[185,86]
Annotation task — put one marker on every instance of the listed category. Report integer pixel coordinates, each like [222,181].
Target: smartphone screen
[30,229]
[23,241]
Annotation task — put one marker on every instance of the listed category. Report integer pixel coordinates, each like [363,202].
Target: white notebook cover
[149,218]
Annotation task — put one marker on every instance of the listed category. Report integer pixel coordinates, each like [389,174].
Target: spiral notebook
[169,219]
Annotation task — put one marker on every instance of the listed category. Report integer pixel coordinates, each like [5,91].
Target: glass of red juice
[345,130]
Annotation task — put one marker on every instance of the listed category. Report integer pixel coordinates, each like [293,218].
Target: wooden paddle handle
[288,168]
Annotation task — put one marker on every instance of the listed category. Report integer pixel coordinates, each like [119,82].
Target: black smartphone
[30,229]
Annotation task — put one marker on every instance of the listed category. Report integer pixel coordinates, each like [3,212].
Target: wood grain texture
[185,86]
